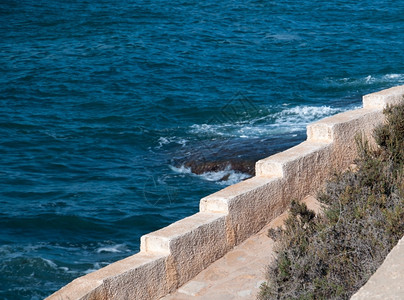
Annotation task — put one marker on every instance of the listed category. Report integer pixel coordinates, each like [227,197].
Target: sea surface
[102,102]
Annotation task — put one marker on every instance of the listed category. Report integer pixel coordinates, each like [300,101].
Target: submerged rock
[229,156]
[241,166]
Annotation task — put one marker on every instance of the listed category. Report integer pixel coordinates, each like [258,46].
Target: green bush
[331,256]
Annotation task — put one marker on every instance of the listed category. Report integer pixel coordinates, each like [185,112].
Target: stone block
[191,243]
[379,100]
[140,276]
[249,204]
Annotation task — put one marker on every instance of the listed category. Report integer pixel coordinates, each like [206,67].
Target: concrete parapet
[379,100]
[341,131]
[291,161]
[342,126]
[388,281]
[249,205]
[191,243]
[173,255]
[140,276]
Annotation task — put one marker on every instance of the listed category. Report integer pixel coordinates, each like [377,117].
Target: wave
[302,115]
[96,266]
[276,121]
[169,140]
[118,248]
[182,169]
[223,177]
[393,78]
[54,223]
[50,263]
[29,265]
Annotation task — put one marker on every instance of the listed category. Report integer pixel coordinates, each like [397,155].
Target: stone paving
[238,274]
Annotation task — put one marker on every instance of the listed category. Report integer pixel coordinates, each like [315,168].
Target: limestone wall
[173,255]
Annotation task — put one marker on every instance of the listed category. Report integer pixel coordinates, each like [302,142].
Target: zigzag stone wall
[173,255]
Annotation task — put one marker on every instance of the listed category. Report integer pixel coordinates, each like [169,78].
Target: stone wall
[388,281]
[173,255]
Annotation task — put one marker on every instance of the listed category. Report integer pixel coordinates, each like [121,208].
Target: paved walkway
[238,274]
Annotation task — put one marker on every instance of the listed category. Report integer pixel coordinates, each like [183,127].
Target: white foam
[168,140]
[233,176]
[367,80]
[394,77]
[297,118]
[370,79]
[96,266]
[216,176]
[286,120]
[181,170]
[112,249]
[50,263]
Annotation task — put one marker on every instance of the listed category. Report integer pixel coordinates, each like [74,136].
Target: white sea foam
[394,76]
[367,80]
[118,248]
[96,266]
[181,170]
[370,79]
[297,118]
[168,140]
[50,263]
[286,120]
[232,176]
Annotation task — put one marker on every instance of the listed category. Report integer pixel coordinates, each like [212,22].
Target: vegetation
[332,255]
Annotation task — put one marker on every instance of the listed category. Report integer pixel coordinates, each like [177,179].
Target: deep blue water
[100,101]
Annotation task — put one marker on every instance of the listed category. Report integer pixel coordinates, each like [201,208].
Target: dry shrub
[333,255]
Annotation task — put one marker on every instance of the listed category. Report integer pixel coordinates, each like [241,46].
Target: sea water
[101,102]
